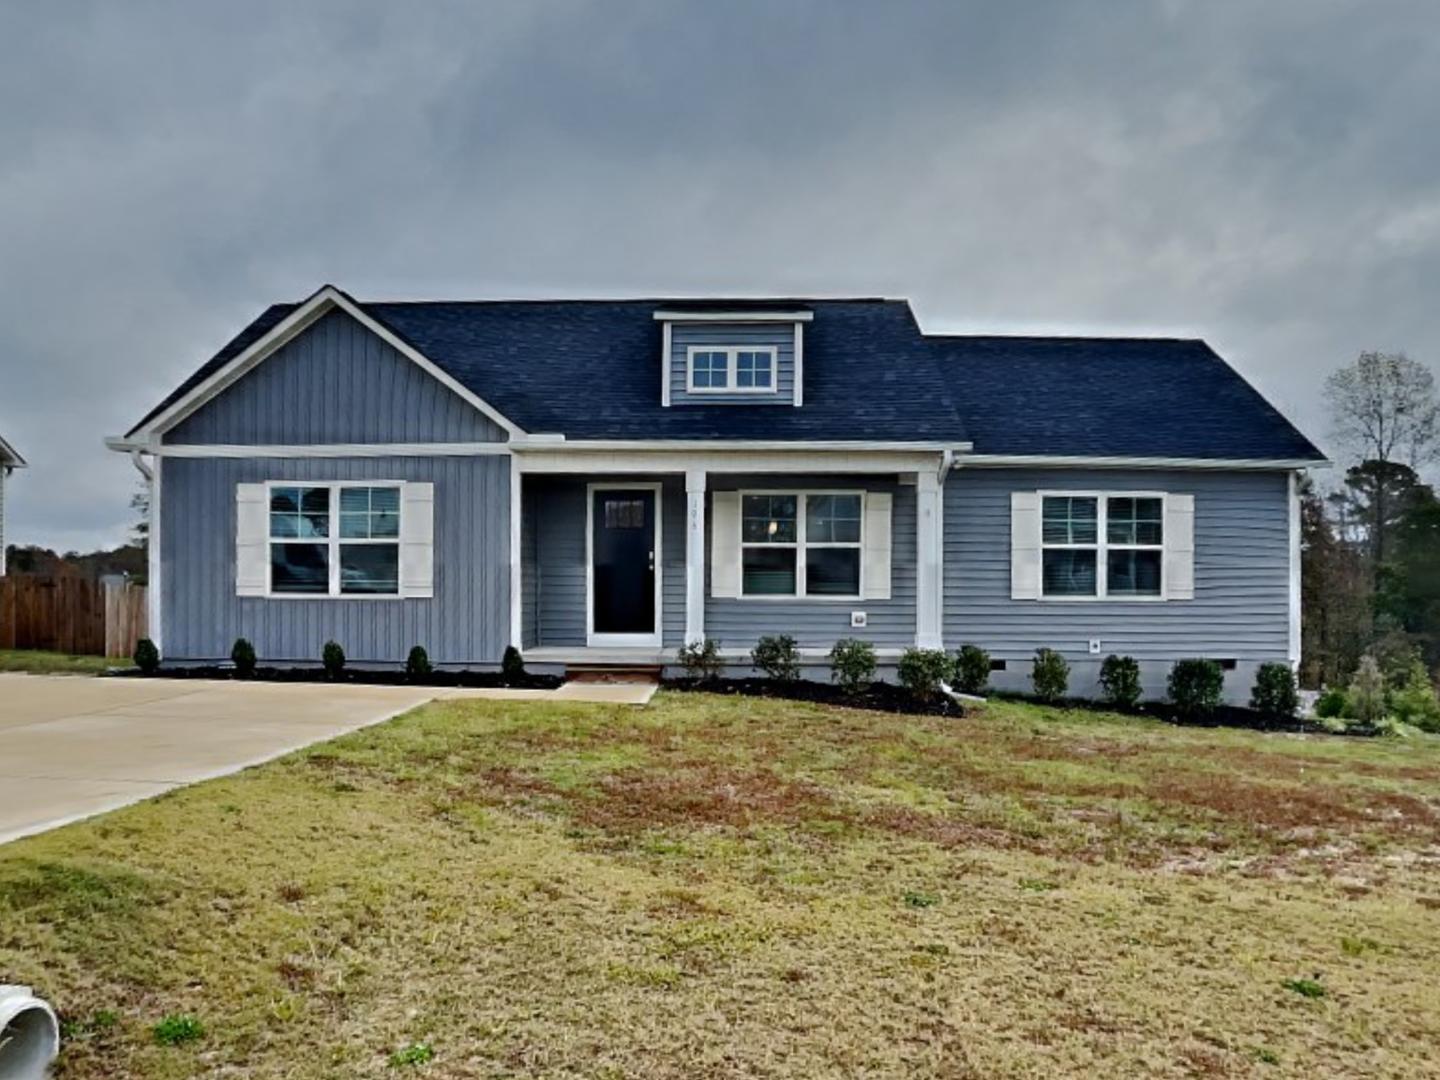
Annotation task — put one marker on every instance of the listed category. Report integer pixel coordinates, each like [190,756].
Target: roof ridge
[681,300]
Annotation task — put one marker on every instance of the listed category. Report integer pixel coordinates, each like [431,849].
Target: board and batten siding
[737,623]
[335,383]
[1242,571]
[779,335]
[466,622]
[559,511]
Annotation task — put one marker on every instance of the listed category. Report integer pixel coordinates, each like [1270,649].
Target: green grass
[718,887]
[39,662]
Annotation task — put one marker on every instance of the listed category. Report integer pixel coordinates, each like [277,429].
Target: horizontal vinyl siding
[529,570]
[779,335]
[560,556]
[466,622]
[336,383]
[1241,604]
[818,624]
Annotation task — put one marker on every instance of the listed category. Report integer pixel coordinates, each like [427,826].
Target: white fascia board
[325,450]
[1227,464]
[734,316]
[730,461]
[852,446]
[324,301]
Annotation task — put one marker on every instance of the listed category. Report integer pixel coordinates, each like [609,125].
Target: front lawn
[736,886]
[40,662]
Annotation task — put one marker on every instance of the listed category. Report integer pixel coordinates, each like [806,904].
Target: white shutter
[725,543]
[252,540]
[417,540]
[1025,545]
[875,571]
[1180,547]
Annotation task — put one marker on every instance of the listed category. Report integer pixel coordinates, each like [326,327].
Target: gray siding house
[600,482]
[9,462]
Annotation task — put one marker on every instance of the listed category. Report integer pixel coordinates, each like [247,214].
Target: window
[316,551]
[800,544]
[737,369]
[1123,535]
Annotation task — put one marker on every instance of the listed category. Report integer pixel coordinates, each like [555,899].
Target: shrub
[1196,687]
[1367,693]
[417,664]
[1332,704]
[701,659]
[1050,675]
[147,656]
[852,664]
[419,1053]
[242,655]
[972,669]
[1275,692]
[175,1029]
[1120,681]
[1412,700]
[777,657]
[333,657]
[512,665]
[922,671]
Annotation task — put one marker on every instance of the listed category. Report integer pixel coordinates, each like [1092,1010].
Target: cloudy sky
[1266,176]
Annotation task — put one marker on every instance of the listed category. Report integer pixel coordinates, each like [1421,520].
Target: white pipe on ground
[29,1034]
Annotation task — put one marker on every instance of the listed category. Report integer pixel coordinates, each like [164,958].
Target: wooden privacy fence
[71,615]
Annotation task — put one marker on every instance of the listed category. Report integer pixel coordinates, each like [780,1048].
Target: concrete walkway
[72,747]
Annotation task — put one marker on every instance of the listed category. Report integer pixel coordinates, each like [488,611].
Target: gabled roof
[9,458]
[590,370]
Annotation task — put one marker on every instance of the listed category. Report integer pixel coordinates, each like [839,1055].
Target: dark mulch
[1230,716]
[879,697]
[358,676]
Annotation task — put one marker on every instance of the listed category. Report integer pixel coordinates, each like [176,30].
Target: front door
[623,553]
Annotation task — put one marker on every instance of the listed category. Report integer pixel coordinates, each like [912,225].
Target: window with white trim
[801,543]
[743,369]
[1102,545]
[334,539]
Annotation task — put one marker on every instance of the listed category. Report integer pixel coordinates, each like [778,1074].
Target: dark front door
[624,561]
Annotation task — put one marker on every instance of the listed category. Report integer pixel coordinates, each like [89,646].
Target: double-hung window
[335,539]
[732,369]
[1101,545]
[801,543]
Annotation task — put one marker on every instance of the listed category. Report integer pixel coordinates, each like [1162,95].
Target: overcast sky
[1260,175]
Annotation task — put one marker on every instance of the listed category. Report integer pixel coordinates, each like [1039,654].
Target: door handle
[652,559]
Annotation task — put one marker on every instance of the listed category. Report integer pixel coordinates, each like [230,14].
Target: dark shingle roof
[590,369]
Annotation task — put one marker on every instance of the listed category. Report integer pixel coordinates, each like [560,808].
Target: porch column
[928,554]
[694,555]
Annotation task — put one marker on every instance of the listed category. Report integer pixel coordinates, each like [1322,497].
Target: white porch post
[928,535]
[694,555]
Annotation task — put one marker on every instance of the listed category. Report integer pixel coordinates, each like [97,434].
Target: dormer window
[731,369]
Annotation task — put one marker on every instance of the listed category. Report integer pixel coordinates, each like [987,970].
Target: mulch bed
[356,676]
[879,697]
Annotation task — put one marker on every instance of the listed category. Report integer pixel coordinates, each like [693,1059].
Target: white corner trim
[1028,461]
[591,637]
[323,450]
[798,395]
[1296,569]
[326,299]
[666,359]
[735,316]
[517,632]
[154,564]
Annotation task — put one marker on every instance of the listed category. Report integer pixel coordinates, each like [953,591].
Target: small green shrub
[1332,704]
[1120,681]
[512,665]
[920,899]
[1196,688]
[777,656]
[1367,693]
[147,656]
[922,671]
[1412,700]
[701,659]
[1050,675]
[419,1053]
[417,664]
[175,1029]
[333,657]
[852,664]
[972,670]
[242,655]
[1275,692]
[1304,987]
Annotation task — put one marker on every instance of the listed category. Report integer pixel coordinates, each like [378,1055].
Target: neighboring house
[603,481]
[9,462]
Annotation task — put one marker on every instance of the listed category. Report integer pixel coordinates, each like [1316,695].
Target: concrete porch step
[644,674]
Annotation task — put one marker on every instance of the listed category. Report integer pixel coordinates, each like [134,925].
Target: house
[9,462]
[603,481]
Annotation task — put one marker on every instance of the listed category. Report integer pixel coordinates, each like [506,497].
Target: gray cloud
[1262,176]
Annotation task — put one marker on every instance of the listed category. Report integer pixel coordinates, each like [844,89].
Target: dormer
[739,357]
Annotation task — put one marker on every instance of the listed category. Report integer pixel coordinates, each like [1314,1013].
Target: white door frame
[652,640]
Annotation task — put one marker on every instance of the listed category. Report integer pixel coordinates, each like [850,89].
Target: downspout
[29,1034]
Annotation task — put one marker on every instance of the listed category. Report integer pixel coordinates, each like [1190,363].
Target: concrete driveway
[71,747]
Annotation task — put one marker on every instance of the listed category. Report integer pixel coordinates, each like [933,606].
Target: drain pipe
[29,1034]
